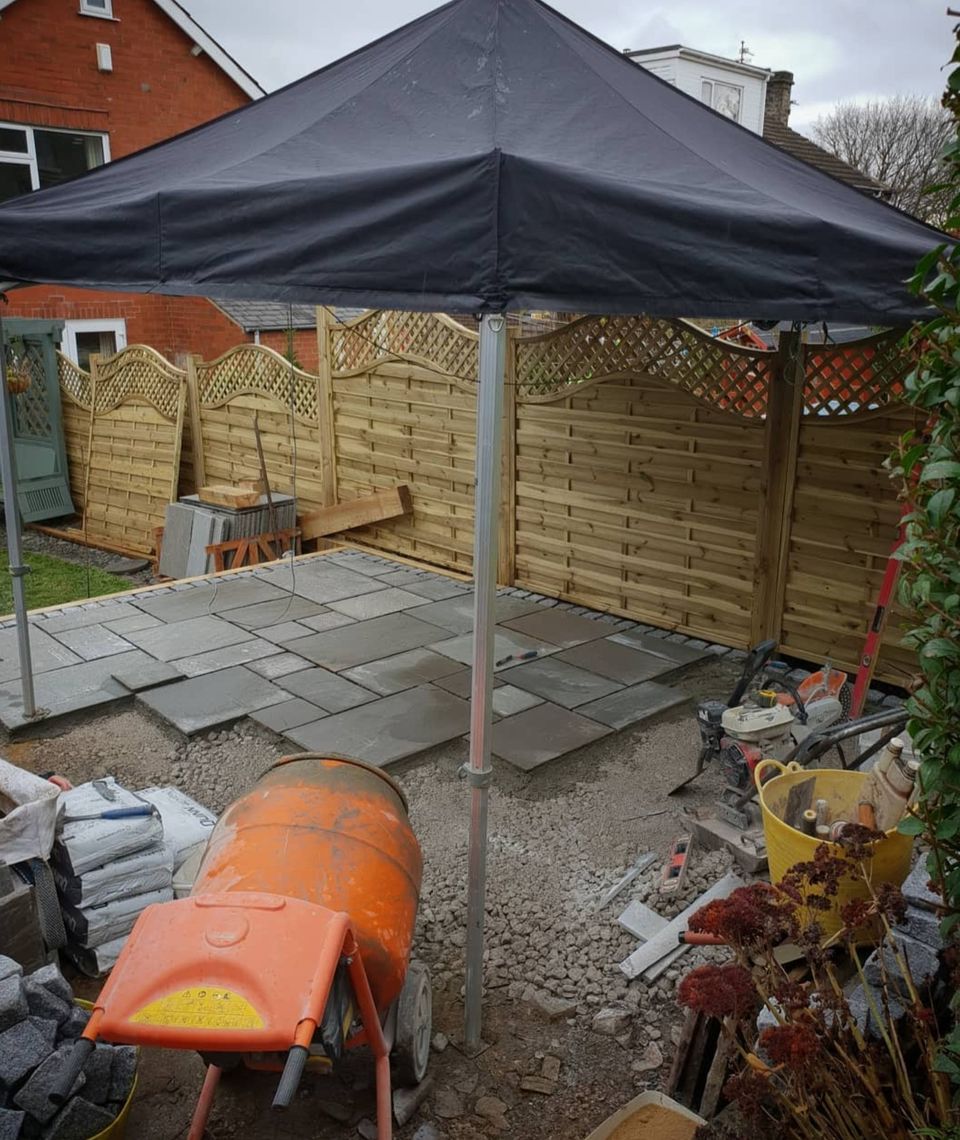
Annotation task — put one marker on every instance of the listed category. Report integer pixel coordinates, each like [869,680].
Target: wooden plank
[196,432]
[325,412]
[224,495]
[357,512]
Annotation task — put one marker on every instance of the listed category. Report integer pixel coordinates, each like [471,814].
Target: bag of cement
[94,925]
[87,843]
[185,875]
[95,961]
[28,806]
[148,870]
[185,822]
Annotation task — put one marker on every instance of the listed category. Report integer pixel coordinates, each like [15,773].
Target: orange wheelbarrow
[293,946]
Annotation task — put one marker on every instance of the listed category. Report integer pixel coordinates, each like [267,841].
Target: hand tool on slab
[134,812]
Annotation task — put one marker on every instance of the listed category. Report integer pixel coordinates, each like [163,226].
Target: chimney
[777,109]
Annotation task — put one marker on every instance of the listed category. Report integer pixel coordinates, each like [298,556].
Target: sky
[837,49]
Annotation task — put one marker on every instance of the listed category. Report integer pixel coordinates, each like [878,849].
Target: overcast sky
[837,49]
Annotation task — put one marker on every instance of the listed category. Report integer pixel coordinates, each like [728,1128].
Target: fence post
[196,428]
[94,378]
[325,419]
[507,567]
[779,477]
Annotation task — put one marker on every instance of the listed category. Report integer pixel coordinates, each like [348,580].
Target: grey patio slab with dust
[346,652]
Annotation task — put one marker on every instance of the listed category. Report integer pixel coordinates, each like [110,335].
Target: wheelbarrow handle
[290,1077]
[72,1067]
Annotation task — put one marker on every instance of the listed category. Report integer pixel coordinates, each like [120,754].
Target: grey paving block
[323,583]
[22,1048]
[80,614]
[122,1072]
[456,614]
[461,683]
[541,734]
[508,646]
[74,1026]
[389,729]
[280,665]
[180,639]
[13,1001]
[134,622]
[402,671]
[923,925]
[283,609]
[47,654]
[51,978]
[97,1072]
[11,1123]
[214,596]
[331,692]
[93,641]
[361,563]
[44,1003]
[329,619]
[175,548]
[389,601]
[48,1029]
[636,703]
[241,653]
[558,628]
[285,631]
[78,1120]
[364,641]
[619,662]
[641,921]
[509,700]
[433,587]
[208,529]
[289,714]
[561,682]
[915,889]
[213,700]
[9,968]
[147,675]
[34,1096]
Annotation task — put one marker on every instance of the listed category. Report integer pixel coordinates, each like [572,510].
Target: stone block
[631,705]
[9,968]
[618,662]
[44,1003]
[921,960]
[34,1097]
[47,1028]
[11,1123]
[541,734]
[50,978]
[915,889]
[75,1024]
[122,1072]
[923,925]
[22,1048]
[78,1121]
[13,1002]
[98,1071]
[213,700]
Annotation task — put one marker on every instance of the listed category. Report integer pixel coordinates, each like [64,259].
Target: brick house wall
[157,88]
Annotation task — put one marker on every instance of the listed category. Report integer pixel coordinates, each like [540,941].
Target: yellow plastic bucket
[787,846]
[118,1129]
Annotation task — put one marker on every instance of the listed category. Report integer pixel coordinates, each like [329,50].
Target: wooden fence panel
[75,404]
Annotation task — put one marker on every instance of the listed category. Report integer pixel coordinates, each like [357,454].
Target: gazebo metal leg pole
[493,341]
[8,473]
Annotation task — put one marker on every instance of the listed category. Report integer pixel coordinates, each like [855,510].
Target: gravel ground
[558,839]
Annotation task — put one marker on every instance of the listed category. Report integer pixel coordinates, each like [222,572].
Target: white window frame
[18,158]
[709,81]
[68,344]
[104,13]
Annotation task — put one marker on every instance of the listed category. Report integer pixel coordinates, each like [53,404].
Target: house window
[722,97]
[97,337]
[32,158]
[103,8]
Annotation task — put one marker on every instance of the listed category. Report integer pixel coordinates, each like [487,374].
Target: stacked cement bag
[39,1025]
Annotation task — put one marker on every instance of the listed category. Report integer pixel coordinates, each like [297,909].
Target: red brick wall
[305,346]
[49,77]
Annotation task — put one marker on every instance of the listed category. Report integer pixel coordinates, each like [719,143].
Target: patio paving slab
[286,631]
[322,583]
[169,642]
[145,675]
[289,714]
[240,653]
[339,649]
[329,619]
[78,616]
[460,683]
[206,600]
[561,682]
[456,614]
[629,706]
[47,653]
[541,734]
[369,564]
[559,627]
[131,624]
[389,601]
[434,587]
[272,613]
[506,644]
[618,662]
[92,641]
[402,671]
[333,694]
[279,666]
[677,652]
[200,704]
[390,729]
[509,700]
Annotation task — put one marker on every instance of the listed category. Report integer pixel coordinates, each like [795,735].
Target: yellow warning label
[207,1008]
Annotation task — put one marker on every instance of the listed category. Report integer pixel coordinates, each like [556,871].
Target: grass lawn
[52,582]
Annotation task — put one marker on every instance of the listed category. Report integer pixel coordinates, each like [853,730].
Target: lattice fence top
[138,372]
[74,381]
[258,370]
[31,408]
[730,377]
[862,375]
[432,338]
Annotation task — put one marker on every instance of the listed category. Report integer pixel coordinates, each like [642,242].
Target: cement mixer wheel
[411,1051]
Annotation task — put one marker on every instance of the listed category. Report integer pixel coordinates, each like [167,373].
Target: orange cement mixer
[294,944]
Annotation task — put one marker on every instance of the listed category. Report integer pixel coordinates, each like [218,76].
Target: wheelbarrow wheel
[411,1051]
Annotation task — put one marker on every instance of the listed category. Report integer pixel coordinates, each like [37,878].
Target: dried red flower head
[825,871]
[752,916]
[857,841]
[856,913]
[795,1046]
[719,991]
[791,995]
[750,1090]
[891,903]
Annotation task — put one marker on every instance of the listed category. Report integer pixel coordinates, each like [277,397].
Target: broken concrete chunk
[44,1003]
[447,1104]
[78,1121]
[51,978]
[22,1048]
[612,1021]
[122,1072]
[34,1097]
[10,1124]
[550,1069]
[553,1008]
[651,1058]
[13,1002]
[538,1085]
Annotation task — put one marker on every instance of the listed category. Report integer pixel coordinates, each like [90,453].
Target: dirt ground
[558,839]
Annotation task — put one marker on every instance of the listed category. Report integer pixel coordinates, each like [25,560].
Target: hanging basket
[19,373]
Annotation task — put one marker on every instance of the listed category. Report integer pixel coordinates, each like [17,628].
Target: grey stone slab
[284,609]
[456,614]
[147,675]
[541,734]
[172,642]
[213,700]
[558,628]
[461,683]
[509,700]
[915,889]
[175,548]
[507,648]
[331,692]
[280,666]
[618,662]
[93,641]
[131,624]
[47,653]
[211,598]
[241,653]
[364,641]
[388,601]
[360,563]
[561,682]
[285,631]
[628,706]
[434,587]
[79,615]
[389,729]
[323,584]
[680,653]
[641,921]
[402,671]
[329,619]
[290,714]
